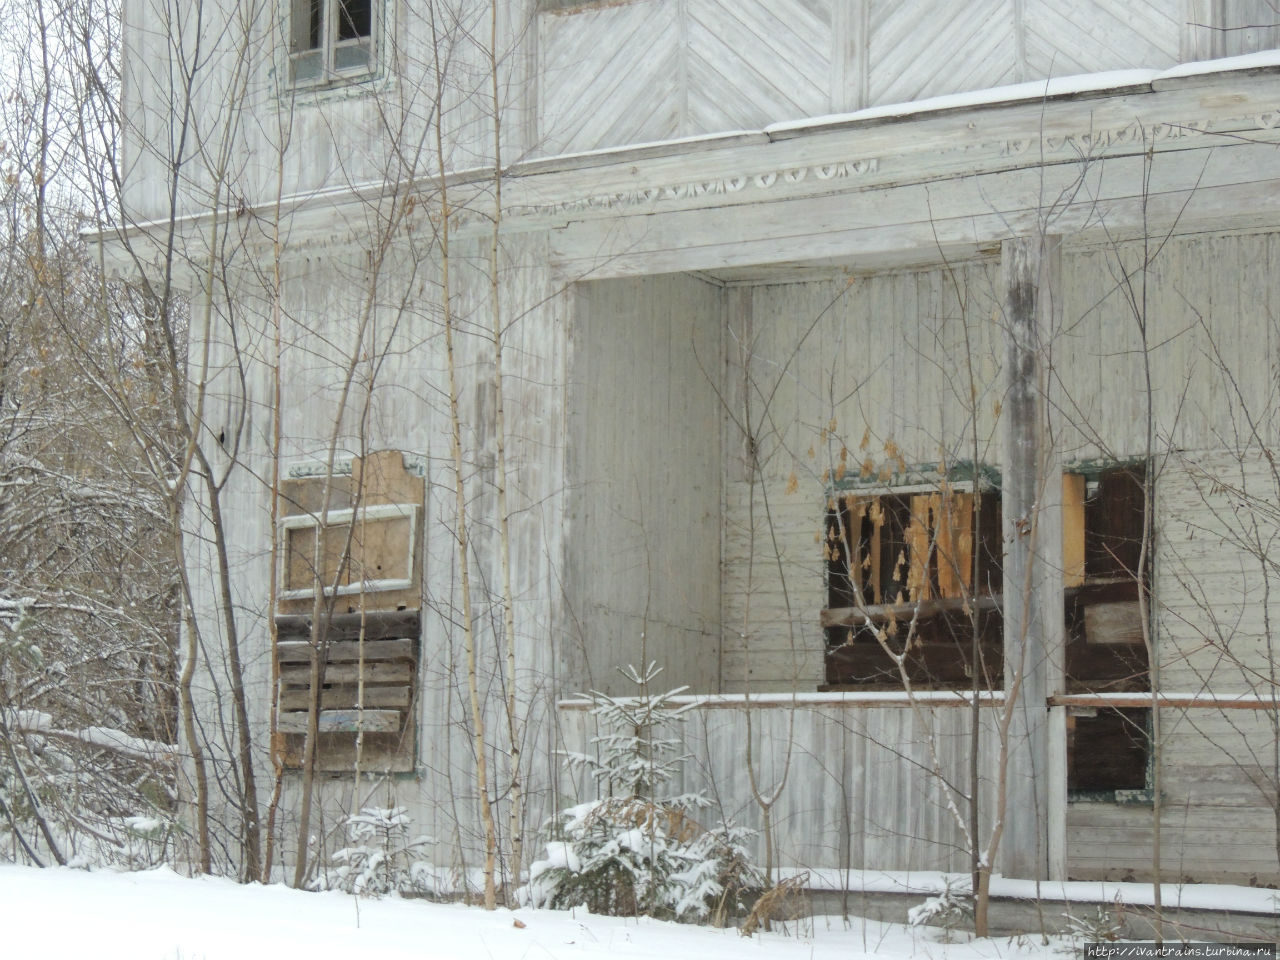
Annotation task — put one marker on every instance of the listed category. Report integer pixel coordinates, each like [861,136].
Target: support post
[1033,846]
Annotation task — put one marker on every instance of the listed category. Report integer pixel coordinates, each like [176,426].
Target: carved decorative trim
[414,464]
[309,469]
[700,188]
[1091,141]
[1082,144]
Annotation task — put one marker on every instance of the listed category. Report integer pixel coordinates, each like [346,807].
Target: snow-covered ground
[157,915]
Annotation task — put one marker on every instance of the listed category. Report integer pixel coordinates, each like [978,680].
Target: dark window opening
[355,20]
[900,573]
[1107,583]
[1108,748]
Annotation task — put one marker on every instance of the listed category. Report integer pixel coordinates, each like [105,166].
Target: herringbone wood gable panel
[608,76]
[1095,35]
[920,49]
[752,62]
[646,70]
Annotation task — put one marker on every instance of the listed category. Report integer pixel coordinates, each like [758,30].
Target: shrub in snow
[379,858]
[1105,923]
[950,909]
[635,851]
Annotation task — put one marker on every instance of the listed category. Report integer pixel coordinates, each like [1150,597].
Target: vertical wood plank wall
[878,358]
[644,474]
[857,789]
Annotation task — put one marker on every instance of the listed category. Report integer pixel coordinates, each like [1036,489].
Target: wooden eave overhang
[883,187]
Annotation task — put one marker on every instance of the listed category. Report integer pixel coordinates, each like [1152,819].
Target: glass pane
[306,66]
[355,19]
[352,55]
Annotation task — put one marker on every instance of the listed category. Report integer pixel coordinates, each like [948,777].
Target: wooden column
[1033,842]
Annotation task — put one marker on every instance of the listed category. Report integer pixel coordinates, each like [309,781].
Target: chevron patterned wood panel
[1094,35]
[610,75]
[919,48]
[753,62]
[613,72]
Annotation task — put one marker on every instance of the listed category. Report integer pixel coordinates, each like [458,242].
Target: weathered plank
[346,697]
[349,626]
[342,721]
[396,649]
[350,673]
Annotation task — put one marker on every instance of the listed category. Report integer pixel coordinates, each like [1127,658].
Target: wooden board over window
[364,706]
[364,550]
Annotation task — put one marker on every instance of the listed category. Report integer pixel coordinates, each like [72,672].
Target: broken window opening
[901,565]
[1108,751]
[331,40]
[900,569]
[1108,748]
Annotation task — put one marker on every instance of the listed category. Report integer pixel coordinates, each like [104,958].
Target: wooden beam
[1176,701]
[1033,606]
[901,612]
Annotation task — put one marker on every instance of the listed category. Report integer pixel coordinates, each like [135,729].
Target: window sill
[1123,798]
[335,86]
[903,612]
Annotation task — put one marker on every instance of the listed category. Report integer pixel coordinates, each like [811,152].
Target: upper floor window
[331,39]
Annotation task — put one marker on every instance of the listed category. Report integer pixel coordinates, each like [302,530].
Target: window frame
[326,51]
[848,665]
[1101,581]
[338,518]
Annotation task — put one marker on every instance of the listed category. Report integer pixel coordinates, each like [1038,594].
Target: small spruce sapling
[379,858]
[950,909]
[635,851]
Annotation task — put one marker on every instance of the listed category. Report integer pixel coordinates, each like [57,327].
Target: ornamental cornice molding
[737,177]
[1085,143]
[702,188]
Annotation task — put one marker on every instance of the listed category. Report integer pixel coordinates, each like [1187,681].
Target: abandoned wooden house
[857,362]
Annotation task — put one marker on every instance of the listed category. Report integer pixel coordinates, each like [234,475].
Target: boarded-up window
[351,538]
[366,666]
[355,533]
[368,549]
[901,569]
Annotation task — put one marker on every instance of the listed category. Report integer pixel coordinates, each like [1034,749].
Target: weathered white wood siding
[836,379]
[398,400]
[588,76]
[644,475]
[253,138]
[881,358]
[858,786]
